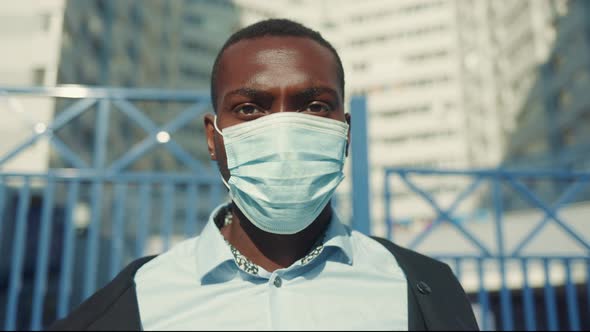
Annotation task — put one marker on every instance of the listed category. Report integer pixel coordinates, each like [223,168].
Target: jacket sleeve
[113,307]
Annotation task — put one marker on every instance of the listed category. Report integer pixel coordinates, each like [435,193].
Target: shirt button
[278,282]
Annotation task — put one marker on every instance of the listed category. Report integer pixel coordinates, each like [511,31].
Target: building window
[568,137]
[137,14]
[427,55]
[384,13]
[45,22]
[557,62]
[132,51]
[405,34]
[194,73]
[223,3]
[420,137]
[193,18]
[404,110]
[39,76]
[359,66]
[564,99]
[581,79]
[97,45]
[329,24]
[196,46]
[163,70]
[423,82]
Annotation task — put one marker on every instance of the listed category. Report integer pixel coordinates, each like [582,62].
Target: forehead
[269,62]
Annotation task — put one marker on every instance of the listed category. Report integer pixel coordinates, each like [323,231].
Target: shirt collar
[338,236]
[213,253]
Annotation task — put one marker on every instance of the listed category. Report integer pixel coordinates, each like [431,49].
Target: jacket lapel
[442,301]
[415,316]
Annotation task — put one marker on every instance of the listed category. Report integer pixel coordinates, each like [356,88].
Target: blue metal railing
[67,231]
[110,213]
[502,254]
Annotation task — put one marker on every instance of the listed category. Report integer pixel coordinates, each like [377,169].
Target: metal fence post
[18,252]
[505,296]
[99,161]
[361,213]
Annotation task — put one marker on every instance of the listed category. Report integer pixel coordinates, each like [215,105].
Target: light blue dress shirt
[353,284]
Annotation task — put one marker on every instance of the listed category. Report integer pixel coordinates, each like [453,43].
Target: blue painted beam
[359,144]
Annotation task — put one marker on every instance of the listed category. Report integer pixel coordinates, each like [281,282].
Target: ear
[347,117]
[209,121]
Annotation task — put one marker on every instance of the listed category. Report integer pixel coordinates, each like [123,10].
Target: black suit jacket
[436,300]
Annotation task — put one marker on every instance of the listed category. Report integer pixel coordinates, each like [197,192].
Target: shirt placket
[275,286]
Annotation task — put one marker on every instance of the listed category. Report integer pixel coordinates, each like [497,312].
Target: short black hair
[274,27]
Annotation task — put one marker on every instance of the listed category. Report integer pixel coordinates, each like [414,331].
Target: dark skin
[262,76]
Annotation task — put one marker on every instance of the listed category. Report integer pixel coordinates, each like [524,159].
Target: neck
[273,251]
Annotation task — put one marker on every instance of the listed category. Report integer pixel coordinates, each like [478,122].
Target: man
[277,257]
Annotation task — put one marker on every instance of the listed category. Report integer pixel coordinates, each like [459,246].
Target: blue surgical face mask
[284,168]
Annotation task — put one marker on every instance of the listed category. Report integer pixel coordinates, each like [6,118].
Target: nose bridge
[281,102]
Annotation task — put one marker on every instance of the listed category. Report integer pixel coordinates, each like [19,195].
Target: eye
[317,107]
[248,110]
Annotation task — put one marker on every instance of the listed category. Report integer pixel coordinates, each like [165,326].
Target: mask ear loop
[224,182]
[219,132]
[215,125]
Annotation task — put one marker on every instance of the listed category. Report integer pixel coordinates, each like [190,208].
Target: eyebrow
[308,93]
[251,93]
[313,92]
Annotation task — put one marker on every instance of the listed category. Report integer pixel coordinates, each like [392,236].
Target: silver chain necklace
[247,266]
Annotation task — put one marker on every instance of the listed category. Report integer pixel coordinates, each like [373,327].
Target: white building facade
[30,33]
[443,79]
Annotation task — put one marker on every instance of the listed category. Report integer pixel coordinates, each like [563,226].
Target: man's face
[267,75]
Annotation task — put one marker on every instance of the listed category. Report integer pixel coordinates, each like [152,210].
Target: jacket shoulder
[115,296]
[410,259]
[435,287]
